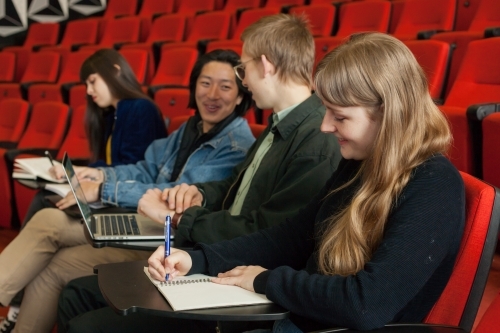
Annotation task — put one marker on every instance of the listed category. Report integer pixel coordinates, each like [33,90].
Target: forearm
[127,194]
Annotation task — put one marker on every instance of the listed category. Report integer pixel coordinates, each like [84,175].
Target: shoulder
[136,105]
[435,184]
[237,134]
[437,171]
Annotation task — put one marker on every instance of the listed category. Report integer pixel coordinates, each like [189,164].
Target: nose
[89,89]
[328,123]
[213,92]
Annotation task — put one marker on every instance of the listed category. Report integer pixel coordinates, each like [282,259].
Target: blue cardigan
[136,125]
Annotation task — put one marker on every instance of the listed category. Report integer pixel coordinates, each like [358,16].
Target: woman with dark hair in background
[121,121]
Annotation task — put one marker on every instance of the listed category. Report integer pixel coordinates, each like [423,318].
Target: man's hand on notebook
[178,263]
[90,190]
[152,206]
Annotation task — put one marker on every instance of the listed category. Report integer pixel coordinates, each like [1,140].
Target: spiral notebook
[198,292]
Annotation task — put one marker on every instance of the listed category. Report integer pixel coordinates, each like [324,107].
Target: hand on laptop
[153,206]
[89,174]
[90,190]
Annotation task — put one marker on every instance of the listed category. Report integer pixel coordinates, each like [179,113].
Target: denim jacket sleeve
[124,185]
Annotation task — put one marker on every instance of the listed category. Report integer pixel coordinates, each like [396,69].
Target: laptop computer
[113,226]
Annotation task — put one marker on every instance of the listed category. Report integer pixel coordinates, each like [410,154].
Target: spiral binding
[181,282]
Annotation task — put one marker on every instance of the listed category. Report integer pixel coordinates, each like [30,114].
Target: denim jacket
[124,185]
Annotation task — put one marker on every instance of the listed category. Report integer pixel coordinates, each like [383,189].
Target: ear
[117,67]
[268,66]
[239,99]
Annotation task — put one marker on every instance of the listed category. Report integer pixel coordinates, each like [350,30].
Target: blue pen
[167,239]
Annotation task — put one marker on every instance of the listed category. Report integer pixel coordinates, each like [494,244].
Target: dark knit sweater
[400,283]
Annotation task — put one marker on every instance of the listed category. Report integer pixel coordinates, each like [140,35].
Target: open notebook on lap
[116,226]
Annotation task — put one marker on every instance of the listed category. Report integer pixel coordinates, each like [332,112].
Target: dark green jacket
[298,164]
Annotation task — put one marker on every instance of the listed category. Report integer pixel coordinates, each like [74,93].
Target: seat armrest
[492,32]
[427,34]
[76,47]
[118,46]
[153,89]
[478,112]
[202,45]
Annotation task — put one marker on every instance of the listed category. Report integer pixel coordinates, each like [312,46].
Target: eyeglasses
[239,70]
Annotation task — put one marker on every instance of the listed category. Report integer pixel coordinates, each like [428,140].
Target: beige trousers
[48,253]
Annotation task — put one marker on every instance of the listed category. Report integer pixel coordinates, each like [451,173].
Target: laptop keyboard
[119,225]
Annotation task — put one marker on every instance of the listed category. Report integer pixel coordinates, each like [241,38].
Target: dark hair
[122,84]
[226,56]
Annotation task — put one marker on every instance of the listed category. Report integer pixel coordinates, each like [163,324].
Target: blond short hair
[287,43]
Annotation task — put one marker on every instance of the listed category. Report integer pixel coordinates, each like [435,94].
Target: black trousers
[83,309]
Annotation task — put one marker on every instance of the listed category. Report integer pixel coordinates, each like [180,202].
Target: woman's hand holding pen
[57,171]
[178,263]
[241,276]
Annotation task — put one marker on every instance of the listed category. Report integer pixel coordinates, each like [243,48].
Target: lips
[211,107]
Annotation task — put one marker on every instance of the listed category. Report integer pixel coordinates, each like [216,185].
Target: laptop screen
[74,184]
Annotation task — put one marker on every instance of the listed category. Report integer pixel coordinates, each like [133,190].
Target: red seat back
[234,5]
[80,32]
[191,7]
[168,28]
[251,16]
[173,102]
[175,66]
[459,302]
[150,8]
[138,61]
[117,8]
[48,72]
[423,15]
[42,34]
[76,143]
[7,66]
[363,16]
[14,114]
[321,17]
[210,26]
[123,30]
[47,126]
[433,56]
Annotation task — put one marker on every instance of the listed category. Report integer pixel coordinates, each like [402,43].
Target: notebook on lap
[114,226]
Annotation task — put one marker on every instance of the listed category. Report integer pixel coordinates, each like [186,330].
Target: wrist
[176,219]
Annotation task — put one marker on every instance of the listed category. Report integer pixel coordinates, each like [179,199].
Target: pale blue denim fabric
[214,160]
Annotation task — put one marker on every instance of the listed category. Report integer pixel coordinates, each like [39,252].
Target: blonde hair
[287,43]
[378,72]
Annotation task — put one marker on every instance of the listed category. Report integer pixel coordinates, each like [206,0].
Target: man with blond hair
[288,164]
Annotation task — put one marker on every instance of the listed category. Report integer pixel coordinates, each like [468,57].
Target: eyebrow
[209,77]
